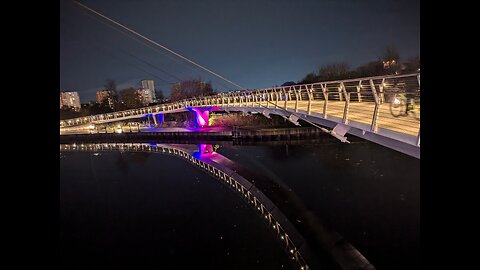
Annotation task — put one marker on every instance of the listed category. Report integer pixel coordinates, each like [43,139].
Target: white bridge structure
[383,109]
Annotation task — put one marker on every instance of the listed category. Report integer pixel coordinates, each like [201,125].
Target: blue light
[196,155]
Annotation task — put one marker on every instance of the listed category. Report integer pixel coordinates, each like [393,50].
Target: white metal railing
[364,100]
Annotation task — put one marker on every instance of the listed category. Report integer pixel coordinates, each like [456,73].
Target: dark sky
[254,43]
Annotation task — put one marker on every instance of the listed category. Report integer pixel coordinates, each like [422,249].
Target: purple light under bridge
[202,114]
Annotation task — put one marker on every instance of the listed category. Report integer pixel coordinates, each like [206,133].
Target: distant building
[70,99]
[147,92]
[105,95]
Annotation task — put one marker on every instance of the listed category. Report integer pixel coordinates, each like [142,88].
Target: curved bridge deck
[373,108]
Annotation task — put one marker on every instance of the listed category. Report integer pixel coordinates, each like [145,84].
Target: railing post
[382,96]
[310,97]
[325,97]
[340,92]
[359,86]
[285,96]
[299,97]
[347,103]
[267,95]
[276,98]
[374,126]
[296,98]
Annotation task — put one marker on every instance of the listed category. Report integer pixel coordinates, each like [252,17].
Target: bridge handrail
[181,103]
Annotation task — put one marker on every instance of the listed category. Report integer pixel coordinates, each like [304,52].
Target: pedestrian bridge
[383,109]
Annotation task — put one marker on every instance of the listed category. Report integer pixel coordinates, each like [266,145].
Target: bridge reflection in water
[205,157]
[290,238]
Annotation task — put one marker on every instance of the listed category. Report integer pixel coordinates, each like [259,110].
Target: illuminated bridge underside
[396,133]
[362,105]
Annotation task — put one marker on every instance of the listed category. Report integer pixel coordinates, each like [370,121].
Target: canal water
[124,210]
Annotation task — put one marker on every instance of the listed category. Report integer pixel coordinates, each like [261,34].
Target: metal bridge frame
[355,106]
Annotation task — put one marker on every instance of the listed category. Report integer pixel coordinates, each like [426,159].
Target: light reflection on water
[366,192]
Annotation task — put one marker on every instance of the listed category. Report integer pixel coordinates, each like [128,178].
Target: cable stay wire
[159,45]
[95,43]
[146,44]
[134,37]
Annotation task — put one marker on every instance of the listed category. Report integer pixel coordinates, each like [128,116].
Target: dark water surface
[152,211]
[367,193]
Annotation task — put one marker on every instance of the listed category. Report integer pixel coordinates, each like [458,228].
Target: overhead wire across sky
[158,45]
[101,47]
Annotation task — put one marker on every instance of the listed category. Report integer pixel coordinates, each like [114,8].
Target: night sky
[254,43]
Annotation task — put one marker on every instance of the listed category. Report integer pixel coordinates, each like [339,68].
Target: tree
[309,78]
[67,112]
[412,65]
[159,95]
[374,68]
[130,98]
[288,83]
[390,53]
[335,71]
[190,88]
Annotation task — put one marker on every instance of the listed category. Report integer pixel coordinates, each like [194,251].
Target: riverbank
[208,134]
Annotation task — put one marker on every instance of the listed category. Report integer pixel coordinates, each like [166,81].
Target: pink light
[204,150]
[202,117]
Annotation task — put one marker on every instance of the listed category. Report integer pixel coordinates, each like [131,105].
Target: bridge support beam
[339,132]
[201,116]
[154,120]
[158,118]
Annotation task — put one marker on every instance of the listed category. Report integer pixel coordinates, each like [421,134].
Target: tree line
[388,64]
[129,99]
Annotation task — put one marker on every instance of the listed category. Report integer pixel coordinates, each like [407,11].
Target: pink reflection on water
[204,150]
